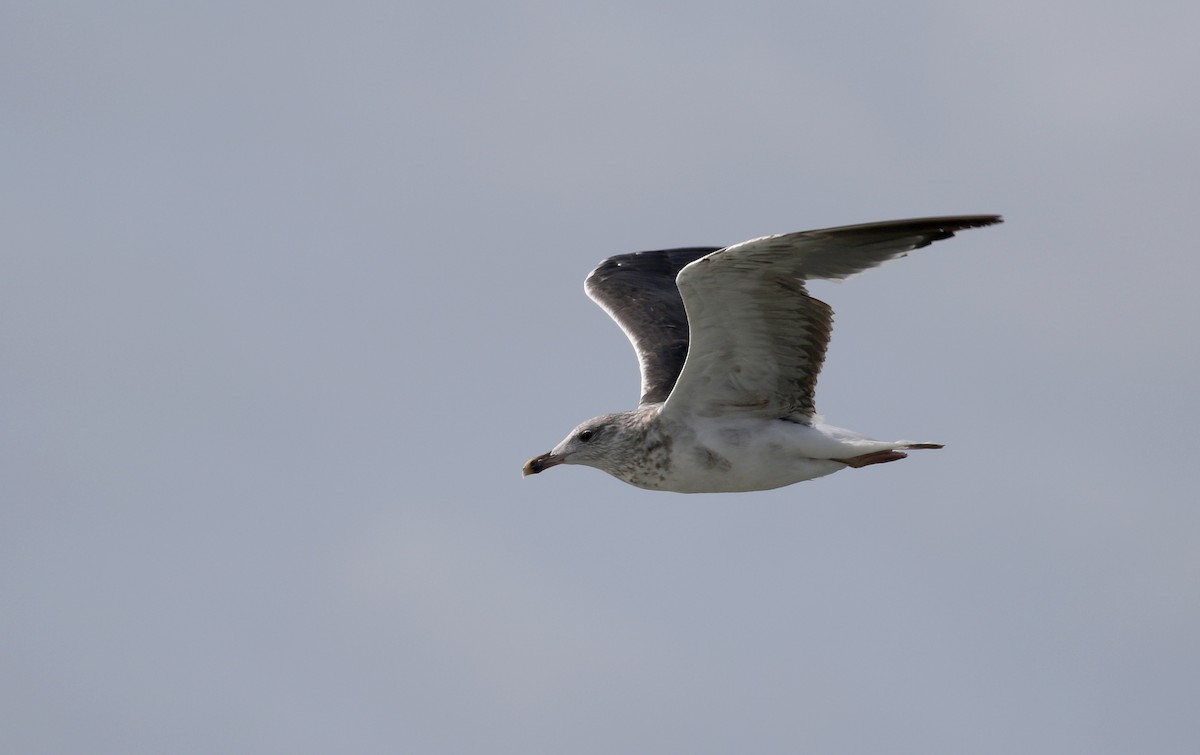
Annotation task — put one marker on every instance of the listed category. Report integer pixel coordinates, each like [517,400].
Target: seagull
[730,345]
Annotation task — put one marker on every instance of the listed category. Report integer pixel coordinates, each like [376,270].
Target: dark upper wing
[639,292]
[843,251]
[757,338]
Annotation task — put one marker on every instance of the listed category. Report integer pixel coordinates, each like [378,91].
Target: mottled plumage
[730,345]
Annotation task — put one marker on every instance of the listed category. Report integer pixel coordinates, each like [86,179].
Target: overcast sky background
[290,291]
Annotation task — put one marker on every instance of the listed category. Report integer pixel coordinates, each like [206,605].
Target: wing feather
[638,291]
[758,340]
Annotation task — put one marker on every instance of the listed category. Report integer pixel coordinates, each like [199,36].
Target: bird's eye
[587,435]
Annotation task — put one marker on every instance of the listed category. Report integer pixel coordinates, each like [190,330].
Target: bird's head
[599,443]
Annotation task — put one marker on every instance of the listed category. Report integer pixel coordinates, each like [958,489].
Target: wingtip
[954,223]
[979,221]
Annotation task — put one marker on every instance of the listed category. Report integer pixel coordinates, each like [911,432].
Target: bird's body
[720,455]
[730,345]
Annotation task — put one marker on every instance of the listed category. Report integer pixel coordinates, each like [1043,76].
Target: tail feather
[885,455]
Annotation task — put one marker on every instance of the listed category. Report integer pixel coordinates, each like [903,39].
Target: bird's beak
[540,463]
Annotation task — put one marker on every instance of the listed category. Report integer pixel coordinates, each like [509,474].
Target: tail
[884,456]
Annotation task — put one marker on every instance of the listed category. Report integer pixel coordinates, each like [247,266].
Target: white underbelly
[755,455]
[759,474]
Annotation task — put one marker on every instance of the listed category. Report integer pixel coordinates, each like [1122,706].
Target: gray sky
[290,291]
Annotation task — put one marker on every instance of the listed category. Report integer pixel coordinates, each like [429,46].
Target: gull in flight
[730,345]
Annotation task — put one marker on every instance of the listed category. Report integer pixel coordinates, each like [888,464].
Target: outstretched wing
[639,292]
[757,338]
